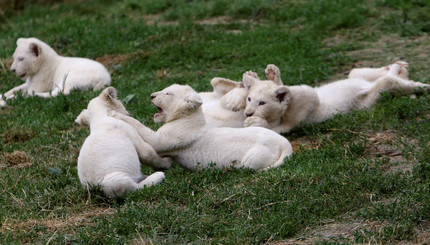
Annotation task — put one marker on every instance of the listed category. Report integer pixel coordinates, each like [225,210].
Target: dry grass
[67,224]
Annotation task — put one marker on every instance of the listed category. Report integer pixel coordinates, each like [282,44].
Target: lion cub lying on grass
[47,74]
[112,153]
[193,144]
[272,105]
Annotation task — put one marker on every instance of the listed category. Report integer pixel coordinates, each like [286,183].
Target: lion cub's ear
[282,94]
[193,101]
[83,119]
[35,49]
[249,81]
[109,93]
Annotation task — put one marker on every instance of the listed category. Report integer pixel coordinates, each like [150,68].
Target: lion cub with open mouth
[193,144]
[112,153]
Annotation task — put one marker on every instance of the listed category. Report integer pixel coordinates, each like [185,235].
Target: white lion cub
[47,74]
[281,108]
[112,153]
[193,144]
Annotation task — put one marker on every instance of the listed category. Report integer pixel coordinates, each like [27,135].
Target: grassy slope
[342,167]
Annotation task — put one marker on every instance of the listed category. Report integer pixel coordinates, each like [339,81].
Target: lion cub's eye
[167,93]
[20,59]
[261,103]
[249,98]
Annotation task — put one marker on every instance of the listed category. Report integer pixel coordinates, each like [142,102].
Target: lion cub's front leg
[11,93]
[147,134]
[160,142]
[148,155]
[274,74]
[235,99]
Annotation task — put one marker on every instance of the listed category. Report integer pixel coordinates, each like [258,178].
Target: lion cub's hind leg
[403,72]
[117,183]
[373,74]
[152,179]
[391,83]
[261,157]
[256,158]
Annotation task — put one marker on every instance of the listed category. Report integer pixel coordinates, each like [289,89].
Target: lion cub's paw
[2,102]
[233,103]
[423,85]
[152,179]
[272,72]
[251,73]
[403,64]
[235,100]
[256,122]
[155,178]
[404,70]
[400,68]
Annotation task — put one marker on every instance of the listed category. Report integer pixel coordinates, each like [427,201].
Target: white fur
[372,74]
[281,108]
[214,109]
[112,153]
[193,144]
[48,74]
[224,106]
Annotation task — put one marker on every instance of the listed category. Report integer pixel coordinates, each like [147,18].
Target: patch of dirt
[155,19]
[304,143]
[387,146]
[331,230]
[216,20]
[344,231]
[5,65]
[67,224]
[110,61]
[161,74]
[16,159]
[17,135]
[223,20]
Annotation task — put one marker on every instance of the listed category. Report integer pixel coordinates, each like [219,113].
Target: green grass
[339,170]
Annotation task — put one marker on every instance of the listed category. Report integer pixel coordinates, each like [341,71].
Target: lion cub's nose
[153,96]
[249,114]
[13,70]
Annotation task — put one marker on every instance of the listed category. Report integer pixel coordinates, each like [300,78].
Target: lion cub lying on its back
[192,143]
[47,74]
[111,155]
[272,105]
